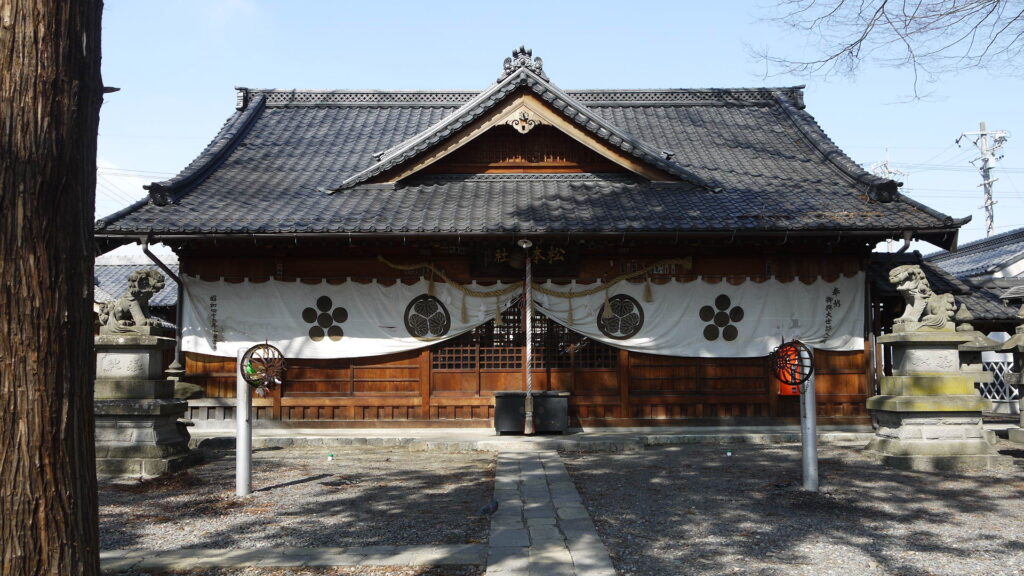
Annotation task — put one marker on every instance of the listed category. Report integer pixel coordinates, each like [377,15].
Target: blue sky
[178,62]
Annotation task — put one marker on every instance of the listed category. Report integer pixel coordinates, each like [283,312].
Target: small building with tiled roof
[406,212]
[999,256]
[993,270]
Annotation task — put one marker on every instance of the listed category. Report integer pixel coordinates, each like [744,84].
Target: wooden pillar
[624,404]
[424,369]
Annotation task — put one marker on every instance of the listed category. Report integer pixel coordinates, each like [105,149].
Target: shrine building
[380,239]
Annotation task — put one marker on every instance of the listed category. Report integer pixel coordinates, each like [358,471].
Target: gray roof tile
[983,256]
[267,170]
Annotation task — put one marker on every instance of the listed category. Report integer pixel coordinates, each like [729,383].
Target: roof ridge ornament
[521,58]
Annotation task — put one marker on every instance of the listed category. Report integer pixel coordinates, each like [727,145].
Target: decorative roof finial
[521,59]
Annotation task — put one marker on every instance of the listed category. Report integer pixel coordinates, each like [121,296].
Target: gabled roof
[743,161]
[525,78]
[984,256]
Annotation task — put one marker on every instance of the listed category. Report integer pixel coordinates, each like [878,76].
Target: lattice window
[491,347]
[998,389]
[556,347]
[593,354]
[501,346]
[458,353]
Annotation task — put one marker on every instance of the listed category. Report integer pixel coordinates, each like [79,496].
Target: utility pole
[989,143]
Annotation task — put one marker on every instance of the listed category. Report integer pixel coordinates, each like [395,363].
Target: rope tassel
[464,313]
[570,317]
[648,296]
[497,313]
[607,314]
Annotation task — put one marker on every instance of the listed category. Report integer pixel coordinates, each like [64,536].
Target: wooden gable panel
[502,149]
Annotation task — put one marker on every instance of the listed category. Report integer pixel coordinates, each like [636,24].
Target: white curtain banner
[347,320]
[702,319]
[353,319]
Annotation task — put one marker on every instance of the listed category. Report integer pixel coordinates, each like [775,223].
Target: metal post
[809,435]
[243,436]
[528,425]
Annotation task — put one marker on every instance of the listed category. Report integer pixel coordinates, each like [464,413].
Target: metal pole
[528,425]
[243,436]
[809,435]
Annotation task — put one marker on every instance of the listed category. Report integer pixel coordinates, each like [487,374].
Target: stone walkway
[540,528]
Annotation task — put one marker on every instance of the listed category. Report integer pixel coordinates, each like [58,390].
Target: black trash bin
[550,411]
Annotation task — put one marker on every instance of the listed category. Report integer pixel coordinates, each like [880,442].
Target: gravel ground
[364,497]
[694,510]
[348,571]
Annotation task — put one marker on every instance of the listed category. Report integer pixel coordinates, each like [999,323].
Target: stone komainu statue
[925,309]
[130,311]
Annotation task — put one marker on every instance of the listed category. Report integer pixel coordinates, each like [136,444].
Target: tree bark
[50,95]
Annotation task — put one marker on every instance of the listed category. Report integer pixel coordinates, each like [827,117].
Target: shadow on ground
[301,499]
[695,510]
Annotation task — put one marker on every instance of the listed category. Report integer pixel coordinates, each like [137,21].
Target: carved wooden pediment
[524,120]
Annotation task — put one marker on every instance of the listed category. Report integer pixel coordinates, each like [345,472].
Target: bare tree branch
[930,37]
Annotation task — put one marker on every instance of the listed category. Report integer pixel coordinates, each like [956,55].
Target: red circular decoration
[792,363]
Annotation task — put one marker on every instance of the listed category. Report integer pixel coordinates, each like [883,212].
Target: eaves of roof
[222,145]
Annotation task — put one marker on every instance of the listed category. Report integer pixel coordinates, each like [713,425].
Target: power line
[129,171]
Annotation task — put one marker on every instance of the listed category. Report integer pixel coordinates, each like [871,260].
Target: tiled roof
[748,160]
[112,282]
[983,256]
[538,204]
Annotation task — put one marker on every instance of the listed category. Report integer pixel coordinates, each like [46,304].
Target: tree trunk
[50,95]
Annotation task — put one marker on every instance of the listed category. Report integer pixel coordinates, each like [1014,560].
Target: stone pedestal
[929,414]
[137,428]
[1015,345]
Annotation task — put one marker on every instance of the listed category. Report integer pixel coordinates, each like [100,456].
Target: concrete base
[1016,435]
[139,432]
[145,467]
[929,441]
[144,435]
[951,463]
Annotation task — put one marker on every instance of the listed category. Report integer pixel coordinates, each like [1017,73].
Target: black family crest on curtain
[624,319]
[426,318]
[326,322]
[722,319]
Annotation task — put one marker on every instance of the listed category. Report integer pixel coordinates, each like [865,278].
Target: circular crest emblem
[627,318]
[426,318]
[262,366]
